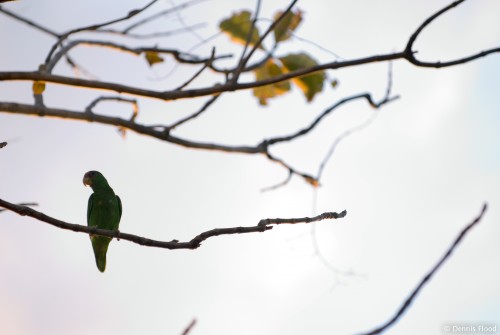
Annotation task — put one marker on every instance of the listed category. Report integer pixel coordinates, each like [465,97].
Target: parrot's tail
[100,245]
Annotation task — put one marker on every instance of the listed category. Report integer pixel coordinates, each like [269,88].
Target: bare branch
[164,132]
[93,27]
[428,276]
[243,60]
[155,16]
[410,54]
[94,103]
[208,63]
[21,204]
[195,242]
[281,184]
[194,115]
[25,109]
[306,130]
[165,33]
[29,22]
[406,54]
[361,126]
[339,139]
[179,56]
[308,178]
[189,327]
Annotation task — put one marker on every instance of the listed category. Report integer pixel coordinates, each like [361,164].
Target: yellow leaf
[310,84]
[153,57]
[268,70]
[238,28]
[38,87]
[283,30]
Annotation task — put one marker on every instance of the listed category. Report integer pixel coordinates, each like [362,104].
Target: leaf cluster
[240,30]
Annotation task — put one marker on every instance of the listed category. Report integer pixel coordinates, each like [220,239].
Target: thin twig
[189,327]
[304,131]
[29,22]
[339,139]
[63,37]
[155,16]
[195,242]
[410,54]
[165,33]
[406,304]
[180,57]
[207,64]
[243,60]
[361,126]
[194,115]
[97,100]
[281,184]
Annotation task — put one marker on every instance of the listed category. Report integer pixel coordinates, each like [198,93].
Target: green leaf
[238,28]
[268,70]
[283,30]
[153,57]
[310,84]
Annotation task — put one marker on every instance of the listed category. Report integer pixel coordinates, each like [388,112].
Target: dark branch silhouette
[407,54]
[189,327]
[195,242]
[406,304]
[164,132]
[21,204]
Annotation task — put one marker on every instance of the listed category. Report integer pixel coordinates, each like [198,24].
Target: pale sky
[409,182]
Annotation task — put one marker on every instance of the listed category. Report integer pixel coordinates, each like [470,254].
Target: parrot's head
[94,179]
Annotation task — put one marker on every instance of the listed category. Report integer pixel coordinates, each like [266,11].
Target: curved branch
[410,55]
[21,204]
[164,132]
[428,276]
[195,242]
[306,130]
[179,56]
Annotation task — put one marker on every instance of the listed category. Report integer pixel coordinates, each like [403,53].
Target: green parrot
[104,211]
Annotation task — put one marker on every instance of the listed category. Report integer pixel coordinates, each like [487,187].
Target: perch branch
[21,204]
[195,242]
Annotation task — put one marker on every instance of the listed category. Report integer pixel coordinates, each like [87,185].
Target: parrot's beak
[87,181]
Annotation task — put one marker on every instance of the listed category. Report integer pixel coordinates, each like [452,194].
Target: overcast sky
[409,182]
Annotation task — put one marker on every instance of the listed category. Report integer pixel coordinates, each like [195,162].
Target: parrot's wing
[89,208]
[119,206]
